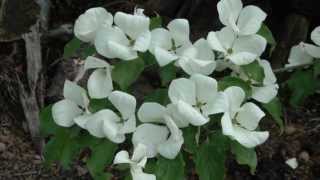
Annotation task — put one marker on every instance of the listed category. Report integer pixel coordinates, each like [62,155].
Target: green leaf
[87,50]
[170,169]
[127,72]
[267,34]
[210,159]
[274,108]
[316,68]
[78,48]
[63,147]
[71,47]
[245,156]
[167,73]
[302,85]
[148,59]
[254,71]
[99,104]
[159,95]
[102,155]
[234,81]
[47,125]
[189,135]
[155,22]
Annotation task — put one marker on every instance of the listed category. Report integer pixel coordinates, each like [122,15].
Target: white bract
[100,81]
[240,121]
[269,88]
[298,56]
[196,58]
[106,123]
[239,50]
[75,104]
[304,53]
[90,22]
[192,97]
[243,21]
[131,34]
[266,90]
[137,162]
[165,43]
[165,140]
[313,50]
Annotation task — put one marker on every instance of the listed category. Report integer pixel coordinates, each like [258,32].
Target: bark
[294,31]
[33,93]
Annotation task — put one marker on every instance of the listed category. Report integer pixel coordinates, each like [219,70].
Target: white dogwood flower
[131,34]
[75,104]
[151,112]
[192,98]
[197,58]
[106,123]
[266,90]
[240,121]
[137,162]
[304,53]
[156,137]
[243,20]
[313,50]
[299,56]
[165,42]
[100,81]
[87,25]
[240,50]
[269,88]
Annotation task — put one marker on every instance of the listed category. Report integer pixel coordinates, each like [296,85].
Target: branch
[64,29]
[290,68]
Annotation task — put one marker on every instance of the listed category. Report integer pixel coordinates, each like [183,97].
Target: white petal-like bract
[87,25]
[64,112]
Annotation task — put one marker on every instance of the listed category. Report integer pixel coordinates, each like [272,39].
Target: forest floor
[300,139]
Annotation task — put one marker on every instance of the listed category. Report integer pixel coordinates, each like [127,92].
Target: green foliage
[71,47]
[63,147]
[127,72]
[210,158]
[159,95]
[302,84]
[235,81]
[47,125]
[274,108]
[245,156]
[267,34]
[78,48]
[254,71]
[148,59]
[189,136]
[101,155]
[167,73]
[66,144]
[316,68]
[170,169]
[155,22]
[99,104]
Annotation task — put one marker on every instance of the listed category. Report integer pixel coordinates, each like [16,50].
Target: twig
[290,68]
[64,29]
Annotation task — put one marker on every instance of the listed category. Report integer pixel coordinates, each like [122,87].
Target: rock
[289,130]
[304,155]
[3,147]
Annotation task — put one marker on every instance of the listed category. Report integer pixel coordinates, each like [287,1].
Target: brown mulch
[19,161]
